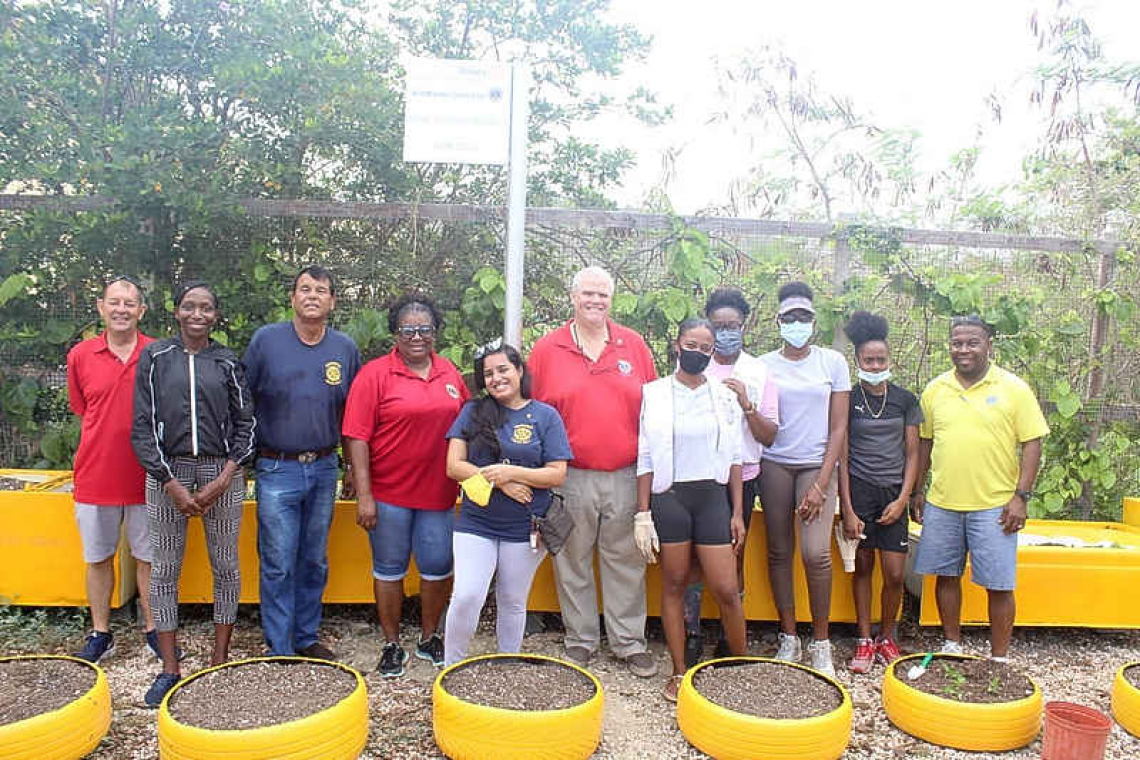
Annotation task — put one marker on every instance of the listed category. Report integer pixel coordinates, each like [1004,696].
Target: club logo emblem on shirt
[522,433]
[332,373]
[624,367]
[451,390]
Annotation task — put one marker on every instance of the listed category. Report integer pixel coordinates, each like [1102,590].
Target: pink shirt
[767,403]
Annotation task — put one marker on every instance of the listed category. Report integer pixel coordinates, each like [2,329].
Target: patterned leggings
[168,539]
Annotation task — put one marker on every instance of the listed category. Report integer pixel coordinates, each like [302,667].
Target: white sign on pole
[457,111]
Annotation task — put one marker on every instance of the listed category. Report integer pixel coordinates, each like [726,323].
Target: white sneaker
[789,650]
[952,647]
[819,652]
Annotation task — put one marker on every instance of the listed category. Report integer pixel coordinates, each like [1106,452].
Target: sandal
[672,686]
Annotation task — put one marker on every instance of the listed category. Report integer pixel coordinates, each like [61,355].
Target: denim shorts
[947,536]
[402,531]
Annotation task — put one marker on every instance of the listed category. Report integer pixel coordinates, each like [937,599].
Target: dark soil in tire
[1132,676]
[767,690]
[970,680]
[260,694]
[33,687]
[519,684]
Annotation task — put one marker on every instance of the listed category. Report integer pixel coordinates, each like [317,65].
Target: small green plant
[956,677]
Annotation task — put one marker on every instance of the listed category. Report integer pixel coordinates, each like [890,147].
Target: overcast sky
[927,65]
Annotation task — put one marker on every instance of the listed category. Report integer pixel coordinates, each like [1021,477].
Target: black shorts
[696,511]
[869,500]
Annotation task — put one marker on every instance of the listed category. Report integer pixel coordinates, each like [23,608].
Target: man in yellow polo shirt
[976,418]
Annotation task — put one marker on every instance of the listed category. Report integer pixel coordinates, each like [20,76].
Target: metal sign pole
[516,206]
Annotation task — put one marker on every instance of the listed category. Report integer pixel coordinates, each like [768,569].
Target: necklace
[867,403]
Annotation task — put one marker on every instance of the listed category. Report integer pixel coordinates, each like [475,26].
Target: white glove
[645,536]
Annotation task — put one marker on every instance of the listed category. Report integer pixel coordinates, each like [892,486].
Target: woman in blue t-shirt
[520,447]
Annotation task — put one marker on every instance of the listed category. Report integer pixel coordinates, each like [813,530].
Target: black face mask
[693,362]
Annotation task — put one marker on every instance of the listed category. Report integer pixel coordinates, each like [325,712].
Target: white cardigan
[655,432]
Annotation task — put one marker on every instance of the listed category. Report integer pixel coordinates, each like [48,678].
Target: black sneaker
[431,650]
[317,651]
[96,646]
[392,661]
[161,686]
[694,647]
[152,642]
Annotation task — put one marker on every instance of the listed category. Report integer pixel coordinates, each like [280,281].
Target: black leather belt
[304,457]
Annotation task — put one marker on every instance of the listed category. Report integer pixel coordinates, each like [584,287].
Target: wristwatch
[1025,495]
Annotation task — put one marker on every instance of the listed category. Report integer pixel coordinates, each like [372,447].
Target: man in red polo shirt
[109,482]
[591,370]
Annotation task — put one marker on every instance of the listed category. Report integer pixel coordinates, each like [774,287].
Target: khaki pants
[602,505]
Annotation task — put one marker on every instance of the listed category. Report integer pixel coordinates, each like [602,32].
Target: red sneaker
[887,651]
[864,656]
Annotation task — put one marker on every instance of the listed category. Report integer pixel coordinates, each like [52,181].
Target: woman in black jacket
[192,431]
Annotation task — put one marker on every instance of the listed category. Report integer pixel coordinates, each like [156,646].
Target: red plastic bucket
[1074,732]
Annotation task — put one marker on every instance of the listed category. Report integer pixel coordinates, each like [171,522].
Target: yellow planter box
[41,557]
[1061,585]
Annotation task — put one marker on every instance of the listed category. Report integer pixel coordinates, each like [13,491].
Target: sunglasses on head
[489,348]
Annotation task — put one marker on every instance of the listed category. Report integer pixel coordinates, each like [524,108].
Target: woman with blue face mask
[881,466]
[799,470]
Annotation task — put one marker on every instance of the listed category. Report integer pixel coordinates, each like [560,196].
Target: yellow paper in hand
[477,488]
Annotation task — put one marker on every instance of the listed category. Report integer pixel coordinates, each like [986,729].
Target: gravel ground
[1075,665]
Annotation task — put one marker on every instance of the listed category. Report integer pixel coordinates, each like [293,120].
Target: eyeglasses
[792,316]
[489,348]
[411,331]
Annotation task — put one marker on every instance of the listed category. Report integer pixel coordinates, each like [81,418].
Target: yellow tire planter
[996,727]
[1126,701]
[729,735]
[467,731]
[72,731]
[337,732]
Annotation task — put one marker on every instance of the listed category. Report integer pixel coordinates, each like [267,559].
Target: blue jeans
[402,531]
[294,512]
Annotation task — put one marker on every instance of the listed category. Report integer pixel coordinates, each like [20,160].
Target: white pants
[476,560]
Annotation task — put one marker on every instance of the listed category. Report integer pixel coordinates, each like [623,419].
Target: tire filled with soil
[518,706]
[741,707]
[1126,697]
[963,702]
[265,707]
[51,706]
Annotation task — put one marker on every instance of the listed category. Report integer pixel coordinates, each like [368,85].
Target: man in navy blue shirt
[299,373]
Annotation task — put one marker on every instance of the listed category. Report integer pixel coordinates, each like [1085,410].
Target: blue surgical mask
[728,342]
[874,378]
[797,334]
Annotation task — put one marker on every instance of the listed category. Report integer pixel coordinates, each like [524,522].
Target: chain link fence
[1046,295]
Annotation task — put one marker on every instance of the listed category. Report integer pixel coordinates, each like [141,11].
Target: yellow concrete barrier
[1061,585]
[41,557]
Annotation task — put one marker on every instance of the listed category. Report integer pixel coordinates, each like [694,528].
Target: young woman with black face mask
[689,449]
[747,377]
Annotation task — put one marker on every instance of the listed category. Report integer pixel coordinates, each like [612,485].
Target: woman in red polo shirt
[396,419]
